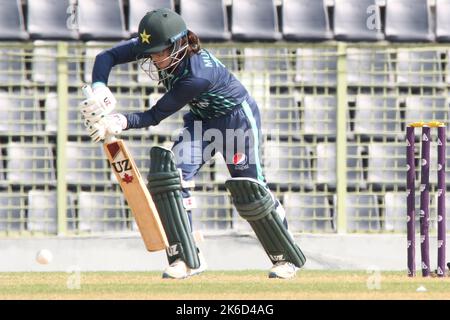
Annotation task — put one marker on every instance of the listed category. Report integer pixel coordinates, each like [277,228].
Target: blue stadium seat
[206,18]
[255,20]
[419,68]
[408,20]
[305,20]
[386,164]
[369,68]
[30,163]
[357,20]
[20,113]
[12,25]
[12,211]
[75,126]
[86,164]
[138,8]
[316,67]
[51,19]
[442,20]
[101,212]
[308,213]
[325,171]
[377,116]
[211,212]
[101,20]
[363,213]
[318,115]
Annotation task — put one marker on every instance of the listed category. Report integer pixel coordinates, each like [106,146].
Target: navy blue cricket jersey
[201,81]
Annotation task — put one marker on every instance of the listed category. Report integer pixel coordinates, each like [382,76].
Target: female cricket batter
[170,53]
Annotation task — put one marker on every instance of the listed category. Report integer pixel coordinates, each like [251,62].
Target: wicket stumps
[425,197]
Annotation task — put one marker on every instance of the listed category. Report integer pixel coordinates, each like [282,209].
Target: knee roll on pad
[256,205]
[164,184]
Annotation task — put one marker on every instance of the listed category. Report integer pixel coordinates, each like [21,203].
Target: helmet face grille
[149,66]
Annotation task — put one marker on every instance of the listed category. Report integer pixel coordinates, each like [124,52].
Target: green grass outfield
[219,285]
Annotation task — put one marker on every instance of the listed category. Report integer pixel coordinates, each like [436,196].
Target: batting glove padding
[109,125]
[99,105]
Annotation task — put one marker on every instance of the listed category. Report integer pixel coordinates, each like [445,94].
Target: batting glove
[109,125]
[100,105]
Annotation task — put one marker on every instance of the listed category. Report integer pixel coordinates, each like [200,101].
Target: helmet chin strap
[160,74]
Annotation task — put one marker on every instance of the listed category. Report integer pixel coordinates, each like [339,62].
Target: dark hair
[193,43]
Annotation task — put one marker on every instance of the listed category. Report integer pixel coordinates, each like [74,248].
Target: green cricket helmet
[158,30]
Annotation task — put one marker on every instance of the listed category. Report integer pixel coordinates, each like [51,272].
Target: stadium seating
[86,164]
[394,212]
[12,66]
[100,212]
[101,20]
[12,212]
[51,19]
[369,68]
[316,67]
[423,107]
[408,20]
[386,165]
[44,64]
[308,213]
[42,211]
[12,25]
[20,113]
[256,61]
[357,20]
[363,213]
[377,116]
[254,20]
[287,164]
[319,115]
[211,212]
[138,8]
[442,20]
[325,170]
[30,164]
[305,20]
[282,117]
[206,18]
[419,68]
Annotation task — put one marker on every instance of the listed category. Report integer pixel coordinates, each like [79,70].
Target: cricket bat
[135,191]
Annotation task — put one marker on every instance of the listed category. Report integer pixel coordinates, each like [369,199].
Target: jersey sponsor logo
[240,161]
[239,158]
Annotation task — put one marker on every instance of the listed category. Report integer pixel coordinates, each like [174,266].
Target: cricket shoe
[179,269]
[283,270]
